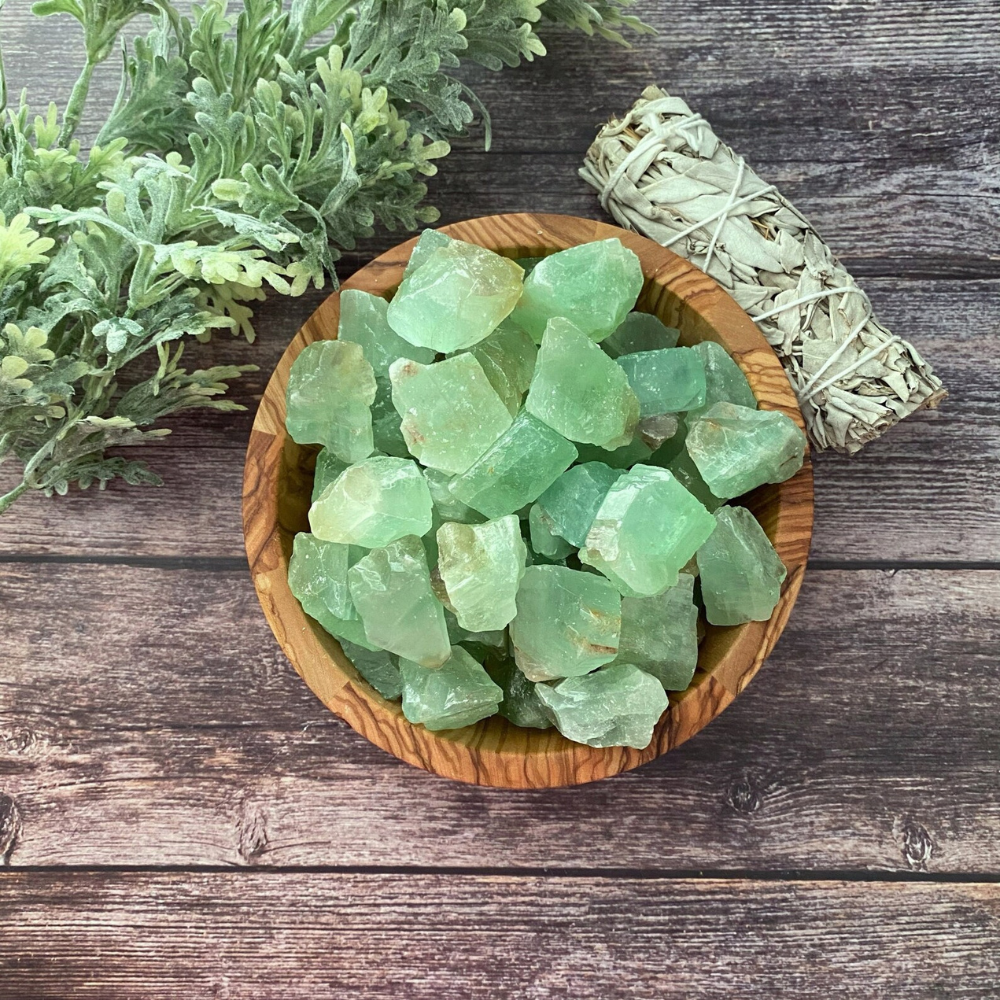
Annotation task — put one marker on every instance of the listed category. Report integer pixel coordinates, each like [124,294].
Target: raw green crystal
[656,430]
[428,241]
[447,507]
[331,388]
[317,570]
[450,412]
[379,668]
[647,528]
[668,381]
[593,285]
[455,298]
[521,704]
[481,566]
[456,694]
[573,500]
[741,574]
[579,391]
[544,540]
[328,467]
[725,381]
[614,707]
[523,462]
[660,634]
[567,622]
[391,589]
[620,458]
[480,644]
[385,422]
[373,503]
[738,449]
[343,629]
[363,322]
[640,332]
[687,474]
[508,359]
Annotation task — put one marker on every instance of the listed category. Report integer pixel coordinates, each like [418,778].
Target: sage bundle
[661,171]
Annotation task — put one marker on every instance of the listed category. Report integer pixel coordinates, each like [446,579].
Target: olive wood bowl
[276,495]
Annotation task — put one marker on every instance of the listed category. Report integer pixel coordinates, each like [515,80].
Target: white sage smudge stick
[663,172]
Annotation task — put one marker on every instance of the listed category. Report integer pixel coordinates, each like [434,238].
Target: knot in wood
[251,828]
[744,796]
[917,846]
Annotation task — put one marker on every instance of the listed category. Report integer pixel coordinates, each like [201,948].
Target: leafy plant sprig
[242,153]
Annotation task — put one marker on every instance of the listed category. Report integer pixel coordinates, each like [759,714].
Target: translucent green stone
[428,241]
[363,322]
[593,285]
[373,503]
[481,566]
[567,622]
[687,474]
[385,422]
[447,507]
[579,391]
[328,467]
[524,461]
[521,704]
[614,707]
[480,644]
[573,500]
[457,694]
[660,634]
[737,449]
[344,629]
[379,668]
[668,381]
[508,359]
[647,528]
[725,381]
[655,431]
[331,388]
[620,458]
[741,574]
[450,412]
[455,298]
[544,539]
[640,331]
[391,589]
[317,570]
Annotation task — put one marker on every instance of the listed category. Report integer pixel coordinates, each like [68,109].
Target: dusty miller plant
[242,152]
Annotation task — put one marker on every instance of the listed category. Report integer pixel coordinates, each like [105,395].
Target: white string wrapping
[661,171]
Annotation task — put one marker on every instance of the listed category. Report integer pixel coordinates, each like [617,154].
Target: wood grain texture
[189,740]
[277,485]
[163,936]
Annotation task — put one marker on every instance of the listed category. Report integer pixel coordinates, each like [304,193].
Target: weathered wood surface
[154,721]
[276,935]
[927,492]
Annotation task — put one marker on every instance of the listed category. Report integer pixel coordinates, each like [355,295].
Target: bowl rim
[494,752]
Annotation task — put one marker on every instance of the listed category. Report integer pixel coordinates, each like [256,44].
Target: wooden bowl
[278,480]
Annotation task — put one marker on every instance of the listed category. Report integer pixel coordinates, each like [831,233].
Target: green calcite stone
[428,241]
[593,285]
[344,629]
[331,388]
[614,707]
[447,507]
[521,704]
[455,298]
[524,461]
[567,623]
[740,573]
[620,458]
[328,468]
[687,474]
[363,322]
[385,422]
[544,540]
[373,503]
[660,634]
[379,668]
[724,379]
[456,694]
[579,391]
[481,566]
[668,381]
[640,332]
[655,431]
[450,412]
[391,590]
[573,500]
[647,528]
[480,644]
[737,449]
[317,571]
[508,359]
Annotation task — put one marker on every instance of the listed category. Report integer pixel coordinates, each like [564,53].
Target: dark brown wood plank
[927,491]
[147,717]
[376,936]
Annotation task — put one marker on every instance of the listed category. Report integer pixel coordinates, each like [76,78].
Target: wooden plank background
[181,818]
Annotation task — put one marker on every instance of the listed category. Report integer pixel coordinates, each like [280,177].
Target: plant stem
[8,498]
[74,108]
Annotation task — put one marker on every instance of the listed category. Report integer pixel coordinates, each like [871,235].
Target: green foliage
[243,151]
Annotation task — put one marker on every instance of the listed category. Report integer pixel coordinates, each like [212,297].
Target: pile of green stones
[520,504]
